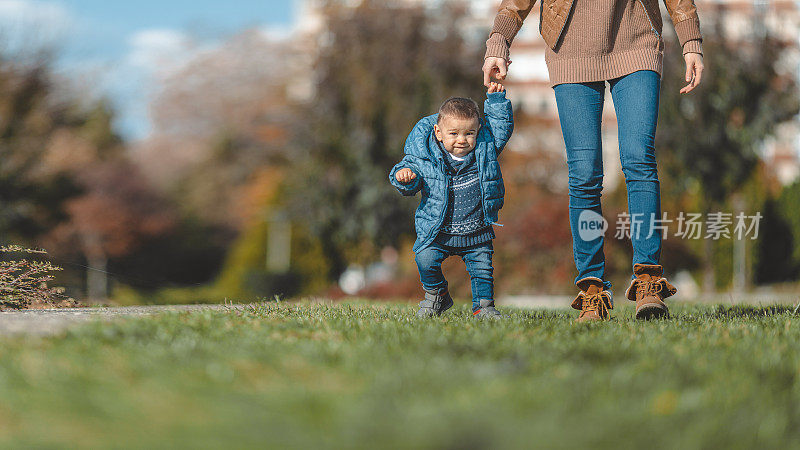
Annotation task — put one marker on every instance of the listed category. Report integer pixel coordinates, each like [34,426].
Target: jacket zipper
[434,230]
[480,182]
[486,219]
[648,18]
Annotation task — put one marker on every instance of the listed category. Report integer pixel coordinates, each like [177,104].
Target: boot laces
[594,302]
[648,287]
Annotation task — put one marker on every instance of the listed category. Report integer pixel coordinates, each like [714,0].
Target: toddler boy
[451,157]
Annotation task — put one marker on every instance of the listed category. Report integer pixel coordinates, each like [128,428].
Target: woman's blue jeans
[580,109]
[477,258]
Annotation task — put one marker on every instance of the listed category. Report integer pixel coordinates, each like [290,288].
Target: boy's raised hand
[496,87]
[405,176]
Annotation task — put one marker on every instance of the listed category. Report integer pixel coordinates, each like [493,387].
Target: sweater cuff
[496,97]
[507,26]
[688,30]
[693,46]
[497,47]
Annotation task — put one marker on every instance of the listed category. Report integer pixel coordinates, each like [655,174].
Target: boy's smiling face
[458,136]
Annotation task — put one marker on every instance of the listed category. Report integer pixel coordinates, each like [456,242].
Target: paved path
[44,322]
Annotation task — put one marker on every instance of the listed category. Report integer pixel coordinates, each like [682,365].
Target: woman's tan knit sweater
[602,40]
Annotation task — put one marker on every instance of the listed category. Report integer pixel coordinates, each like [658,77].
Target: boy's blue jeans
[580,109]
[478,259]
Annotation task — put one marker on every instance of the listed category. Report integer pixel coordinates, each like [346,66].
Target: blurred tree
[779,245]
[380,68]
[65,180]
[188,253]
[246,273]
[41,137]
[222,123]
[116,213]
[788,205]
[709,140]
[217,118]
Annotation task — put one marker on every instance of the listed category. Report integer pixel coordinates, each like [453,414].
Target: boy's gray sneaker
[487,311]
[435,303]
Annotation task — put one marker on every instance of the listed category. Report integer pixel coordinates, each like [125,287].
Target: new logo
[591,225]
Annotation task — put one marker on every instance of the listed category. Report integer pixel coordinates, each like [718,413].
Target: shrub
[23,282]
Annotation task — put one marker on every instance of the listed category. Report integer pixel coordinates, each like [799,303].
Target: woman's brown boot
[648,290]
[592,301]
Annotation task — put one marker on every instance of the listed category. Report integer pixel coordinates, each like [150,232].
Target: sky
[115,46]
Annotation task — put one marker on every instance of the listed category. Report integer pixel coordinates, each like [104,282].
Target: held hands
[496,68]
[405,176]
[694,71]
[495,87]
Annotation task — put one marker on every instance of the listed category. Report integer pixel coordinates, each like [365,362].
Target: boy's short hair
[460,108]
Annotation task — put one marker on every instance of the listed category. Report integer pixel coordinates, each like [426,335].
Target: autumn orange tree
[34,122]
[66,182]
[116,212]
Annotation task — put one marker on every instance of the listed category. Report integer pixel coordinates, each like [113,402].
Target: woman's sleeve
[693,46]
[687,24]
[506,25]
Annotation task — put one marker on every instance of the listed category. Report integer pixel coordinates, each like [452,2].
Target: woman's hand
[694,71]
[494,67]
[405,176]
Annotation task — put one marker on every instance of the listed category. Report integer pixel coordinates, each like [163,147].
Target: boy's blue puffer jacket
[423,156]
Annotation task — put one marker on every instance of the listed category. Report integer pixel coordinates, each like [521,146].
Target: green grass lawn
[370,376]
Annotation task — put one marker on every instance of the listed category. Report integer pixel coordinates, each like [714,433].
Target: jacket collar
[453,166]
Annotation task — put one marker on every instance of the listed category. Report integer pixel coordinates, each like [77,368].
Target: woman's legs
[580,109]
[636,98]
